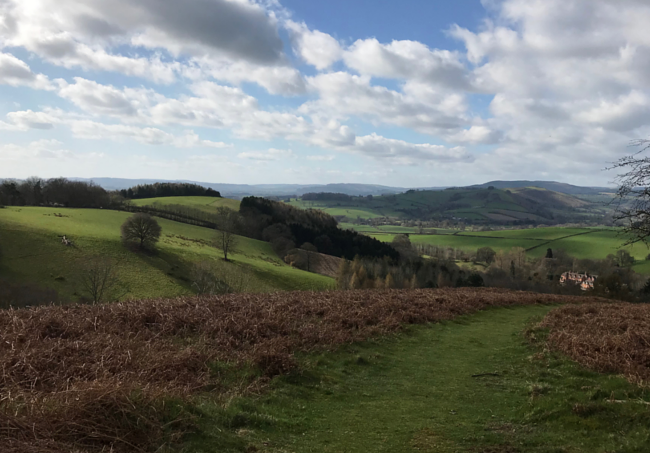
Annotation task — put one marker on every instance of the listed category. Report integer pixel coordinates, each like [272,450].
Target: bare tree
[99,281]
[227,223]
[633,195]
[142,229]
[309,248]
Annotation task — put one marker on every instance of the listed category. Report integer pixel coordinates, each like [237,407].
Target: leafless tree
[142,229]
[309,248]
[633,195]
[226,239]
[99,280]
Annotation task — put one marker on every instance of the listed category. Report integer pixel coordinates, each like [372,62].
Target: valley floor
[471,385]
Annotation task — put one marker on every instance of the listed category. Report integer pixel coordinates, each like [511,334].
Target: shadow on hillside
[13,295]
[171,264]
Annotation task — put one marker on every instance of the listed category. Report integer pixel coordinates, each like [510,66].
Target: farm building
[585,281]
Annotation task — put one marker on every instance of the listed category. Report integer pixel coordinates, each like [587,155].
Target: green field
[469,385]
[207,204]
[33,254]
[533,233]
[397,229]
[582,243]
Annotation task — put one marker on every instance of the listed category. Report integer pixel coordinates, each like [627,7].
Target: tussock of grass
[51,356]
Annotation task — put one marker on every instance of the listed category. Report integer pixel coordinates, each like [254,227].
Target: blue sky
[411,93]
[419,20]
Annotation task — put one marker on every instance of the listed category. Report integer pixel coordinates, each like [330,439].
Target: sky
[416,93]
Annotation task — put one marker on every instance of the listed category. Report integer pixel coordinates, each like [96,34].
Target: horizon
[323,184]
[420,94]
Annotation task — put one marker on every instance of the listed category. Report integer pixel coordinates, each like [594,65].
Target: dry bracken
[612,338]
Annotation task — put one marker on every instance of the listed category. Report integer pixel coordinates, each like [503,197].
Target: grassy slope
[33,253]
[416,393]
[208,204]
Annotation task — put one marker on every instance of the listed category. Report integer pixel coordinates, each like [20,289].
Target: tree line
[326,196]
[167,189]
[36,191]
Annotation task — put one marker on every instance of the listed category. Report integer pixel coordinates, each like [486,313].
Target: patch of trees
[420,273]
[325,196]
[287,227]
[36,191]
[166,189]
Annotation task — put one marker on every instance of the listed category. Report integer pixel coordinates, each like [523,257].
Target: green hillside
[208,204]
[33,254]
[464,204]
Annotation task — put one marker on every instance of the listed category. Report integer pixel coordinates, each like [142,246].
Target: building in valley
[585,281]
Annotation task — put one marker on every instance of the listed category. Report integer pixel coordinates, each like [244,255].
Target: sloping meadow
[115,377]
[610,338]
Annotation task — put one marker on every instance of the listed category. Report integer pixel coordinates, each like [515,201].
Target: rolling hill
[471,205]
[548,185]
[32,254]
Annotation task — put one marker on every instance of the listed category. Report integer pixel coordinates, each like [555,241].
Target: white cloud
[477,134]
[321,158]
[410,60]
[27,119]
[99,99]
[40,149]
[270,155]
[419,107]
[148,135]
[315,47]
[15,72]
[398,151]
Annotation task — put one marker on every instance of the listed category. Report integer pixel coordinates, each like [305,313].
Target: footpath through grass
[471,385]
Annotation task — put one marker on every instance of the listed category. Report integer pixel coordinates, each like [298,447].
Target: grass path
[417,393]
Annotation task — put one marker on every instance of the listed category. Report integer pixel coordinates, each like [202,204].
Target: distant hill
[470,205]
[244,190]
[283,190]
[548,185]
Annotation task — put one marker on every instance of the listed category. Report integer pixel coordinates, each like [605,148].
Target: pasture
[33,254]
[582,243]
